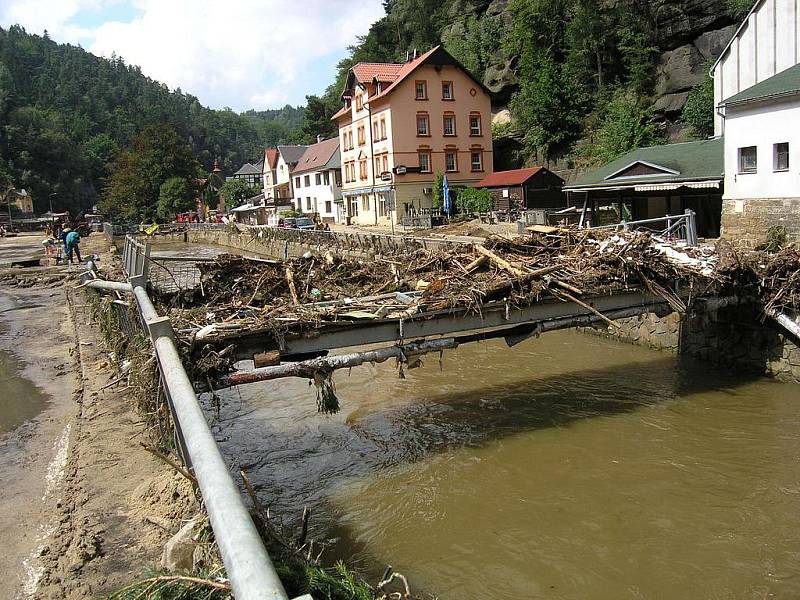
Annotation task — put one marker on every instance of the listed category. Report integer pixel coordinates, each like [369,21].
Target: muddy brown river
[567,467]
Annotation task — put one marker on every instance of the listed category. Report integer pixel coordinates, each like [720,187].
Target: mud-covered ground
[83,509]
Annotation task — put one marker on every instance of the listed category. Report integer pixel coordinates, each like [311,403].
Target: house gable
[641,168]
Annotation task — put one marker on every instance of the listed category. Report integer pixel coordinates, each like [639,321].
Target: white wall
[319,194]
[763,125]
[768,43]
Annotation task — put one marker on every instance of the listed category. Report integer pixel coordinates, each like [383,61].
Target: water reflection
[567,467]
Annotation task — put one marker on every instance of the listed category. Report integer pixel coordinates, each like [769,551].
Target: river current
[569,466]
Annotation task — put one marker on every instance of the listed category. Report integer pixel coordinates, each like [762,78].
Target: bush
[474,200]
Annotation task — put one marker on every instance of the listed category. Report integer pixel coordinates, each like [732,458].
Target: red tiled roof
[342,111]
[508,178]
[271,157]
[317,155]
[366,72]
[397,72]
[406,70]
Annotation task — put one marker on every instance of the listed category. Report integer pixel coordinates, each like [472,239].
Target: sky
[239,54]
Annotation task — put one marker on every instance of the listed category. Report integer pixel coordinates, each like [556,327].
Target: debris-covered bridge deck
[286,312]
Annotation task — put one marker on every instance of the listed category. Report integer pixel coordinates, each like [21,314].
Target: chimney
[319,138]
[407,55]
[415,54]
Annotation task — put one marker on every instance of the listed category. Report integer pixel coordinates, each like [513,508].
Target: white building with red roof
[317,181]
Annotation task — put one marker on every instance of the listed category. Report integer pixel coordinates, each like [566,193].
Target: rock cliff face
[688,33]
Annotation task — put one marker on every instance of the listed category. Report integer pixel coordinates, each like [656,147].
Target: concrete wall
[746,222]
[763,125]
[730,337]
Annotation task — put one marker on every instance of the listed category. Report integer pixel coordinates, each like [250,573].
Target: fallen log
[326,364]
[500,262]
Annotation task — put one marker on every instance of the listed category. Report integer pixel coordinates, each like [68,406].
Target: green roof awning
[670,163]
[782,84]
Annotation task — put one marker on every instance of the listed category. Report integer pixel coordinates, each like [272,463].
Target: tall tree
[138,172]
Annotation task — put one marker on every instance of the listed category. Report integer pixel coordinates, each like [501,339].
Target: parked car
[304,223]
[287,223]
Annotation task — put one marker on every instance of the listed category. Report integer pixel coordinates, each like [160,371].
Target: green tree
[699,110]
[625,124]
[738,9]
[438,190]
[548,110]
[174,196]
[474,200]
[137,173]
[317,119]
[235,191]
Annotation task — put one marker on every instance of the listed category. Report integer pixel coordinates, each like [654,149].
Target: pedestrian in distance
[72,244]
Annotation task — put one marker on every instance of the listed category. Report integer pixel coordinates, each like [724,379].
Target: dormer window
[360,102]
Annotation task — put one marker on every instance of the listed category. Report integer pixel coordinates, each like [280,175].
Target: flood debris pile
[238,295]
[778,279]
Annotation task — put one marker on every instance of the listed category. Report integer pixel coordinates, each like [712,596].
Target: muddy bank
[83,509]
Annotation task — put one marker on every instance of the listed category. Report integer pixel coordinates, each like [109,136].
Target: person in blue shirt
[72,243]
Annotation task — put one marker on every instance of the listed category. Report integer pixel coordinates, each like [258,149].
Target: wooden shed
[523,189]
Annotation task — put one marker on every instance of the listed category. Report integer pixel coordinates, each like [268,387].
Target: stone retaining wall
[746,222]
[730,337]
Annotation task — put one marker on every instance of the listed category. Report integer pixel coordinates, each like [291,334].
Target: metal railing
[677,227]
[249,568]
[345,240]
[175,273]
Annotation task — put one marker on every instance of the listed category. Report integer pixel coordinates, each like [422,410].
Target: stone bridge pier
[734,336]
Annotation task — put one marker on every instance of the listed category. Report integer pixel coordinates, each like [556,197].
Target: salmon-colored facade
[403,123]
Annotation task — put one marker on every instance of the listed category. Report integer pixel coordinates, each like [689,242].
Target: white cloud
[239,53]
[52,15]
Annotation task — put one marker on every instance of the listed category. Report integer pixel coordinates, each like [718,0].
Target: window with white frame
[447,90]
[308,203]
[317,178]
[475,124]
[421,90]
[450,161]
[424,161]
[423,124]
[748,159]
[297,182]
[781,156]
[381,205]
[365,202]
[449,124]
[476,160]
[307,180]
[328,206]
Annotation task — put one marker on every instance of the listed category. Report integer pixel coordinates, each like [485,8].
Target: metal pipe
[785,321]
[146,308]
[306,369]
[110,286]
[252,574]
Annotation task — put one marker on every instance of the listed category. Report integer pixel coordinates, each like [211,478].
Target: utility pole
[8,202]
